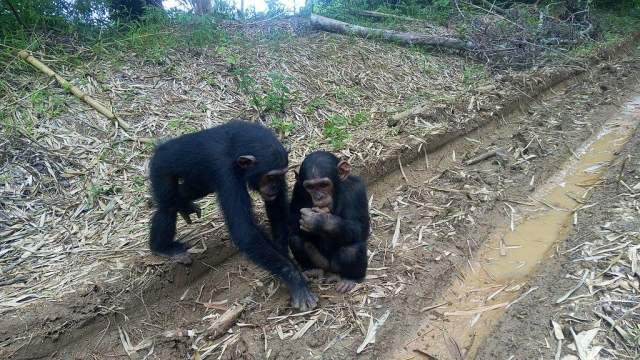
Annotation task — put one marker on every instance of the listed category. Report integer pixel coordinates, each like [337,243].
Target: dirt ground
[612,293]
[427,220]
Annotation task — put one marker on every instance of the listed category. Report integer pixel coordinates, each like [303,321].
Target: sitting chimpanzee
[225,160]
[330,220]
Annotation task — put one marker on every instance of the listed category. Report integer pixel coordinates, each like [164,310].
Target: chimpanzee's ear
[344,170]
[246,161]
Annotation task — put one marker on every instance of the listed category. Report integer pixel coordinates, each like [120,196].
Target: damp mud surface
[437,226]
[505,263]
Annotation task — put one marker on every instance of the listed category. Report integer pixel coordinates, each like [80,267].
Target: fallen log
[340,27]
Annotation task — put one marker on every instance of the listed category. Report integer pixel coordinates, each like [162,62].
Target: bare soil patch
[565,310]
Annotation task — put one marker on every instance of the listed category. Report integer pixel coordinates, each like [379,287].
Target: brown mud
[525,331]
[508,259]
[440,209]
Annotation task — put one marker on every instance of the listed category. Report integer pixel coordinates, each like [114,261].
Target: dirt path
[428,219]
[602,249]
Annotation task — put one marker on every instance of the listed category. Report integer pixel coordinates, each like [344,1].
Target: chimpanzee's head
[321,175]
[264,161]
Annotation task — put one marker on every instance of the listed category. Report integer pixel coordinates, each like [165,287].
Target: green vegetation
[314,105]
[336,128]
[283,127]
[276,99]
[473,74]
[96,191]
[360,118]
[180,126]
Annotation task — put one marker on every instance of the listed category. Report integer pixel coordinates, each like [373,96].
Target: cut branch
[224,322]
[77,92]
[412,112]
[484,156]
[341,27]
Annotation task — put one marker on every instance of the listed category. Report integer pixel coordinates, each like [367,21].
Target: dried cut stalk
[77,92]
[224,322]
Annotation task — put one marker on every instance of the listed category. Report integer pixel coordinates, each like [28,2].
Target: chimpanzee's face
[271,184]
[321,191]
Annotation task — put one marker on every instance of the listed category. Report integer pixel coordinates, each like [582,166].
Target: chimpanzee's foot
[342,285]
[303,299]
[176,252]
[313,274]
[345,285]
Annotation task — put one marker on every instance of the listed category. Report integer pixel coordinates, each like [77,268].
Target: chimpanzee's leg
[163,222]
[350,263]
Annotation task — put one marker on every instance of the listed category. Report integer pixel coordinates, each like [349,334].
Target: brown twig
[224,322]
[482,157]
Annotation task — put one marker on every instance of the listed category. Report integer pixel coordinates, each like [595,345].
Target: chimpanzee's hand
[312,220]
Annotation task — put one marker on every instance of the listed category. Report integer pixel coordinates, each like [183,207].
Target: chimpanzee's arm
[350,223]
[297,203]
[277,211]
[345,231]
[237,208]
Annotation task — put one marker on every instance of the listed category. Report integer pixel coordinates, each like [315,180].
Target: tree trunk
[201,7]
[341,27]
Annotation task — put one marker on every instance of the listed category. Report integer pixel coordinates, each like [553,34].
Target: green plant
[344,94]
[180,126]
[275,100]
[282,126]
[314,105]
[96,191]
[473,74]
[139,184]
[335,130]
[360,118]
[47,104]
[278,97]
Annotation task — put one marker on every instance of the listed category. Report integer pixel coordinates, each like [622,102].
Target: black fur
[192,166]
[344,244]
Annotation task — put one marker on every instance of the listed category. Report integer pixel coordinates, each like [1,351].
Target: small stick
[481,157]
[78,93]
[402,170]
[224,322]
[621,173]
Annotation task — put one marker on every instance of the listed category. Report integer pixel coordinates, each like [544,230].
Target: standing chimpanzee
[225,160]
[329,220]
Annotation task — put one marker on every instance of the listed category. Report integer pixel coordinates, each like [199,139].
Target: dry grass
[75,203]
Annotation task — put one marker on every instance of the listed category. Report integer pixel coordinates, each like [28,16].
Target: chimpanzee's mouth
[324,203]
[268,197]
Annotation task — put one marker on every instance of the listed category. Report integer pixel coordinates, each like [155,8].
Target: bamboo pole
[74,90]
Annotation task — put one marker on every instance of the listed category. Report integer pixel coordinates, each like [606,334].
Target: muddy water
[467,312]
